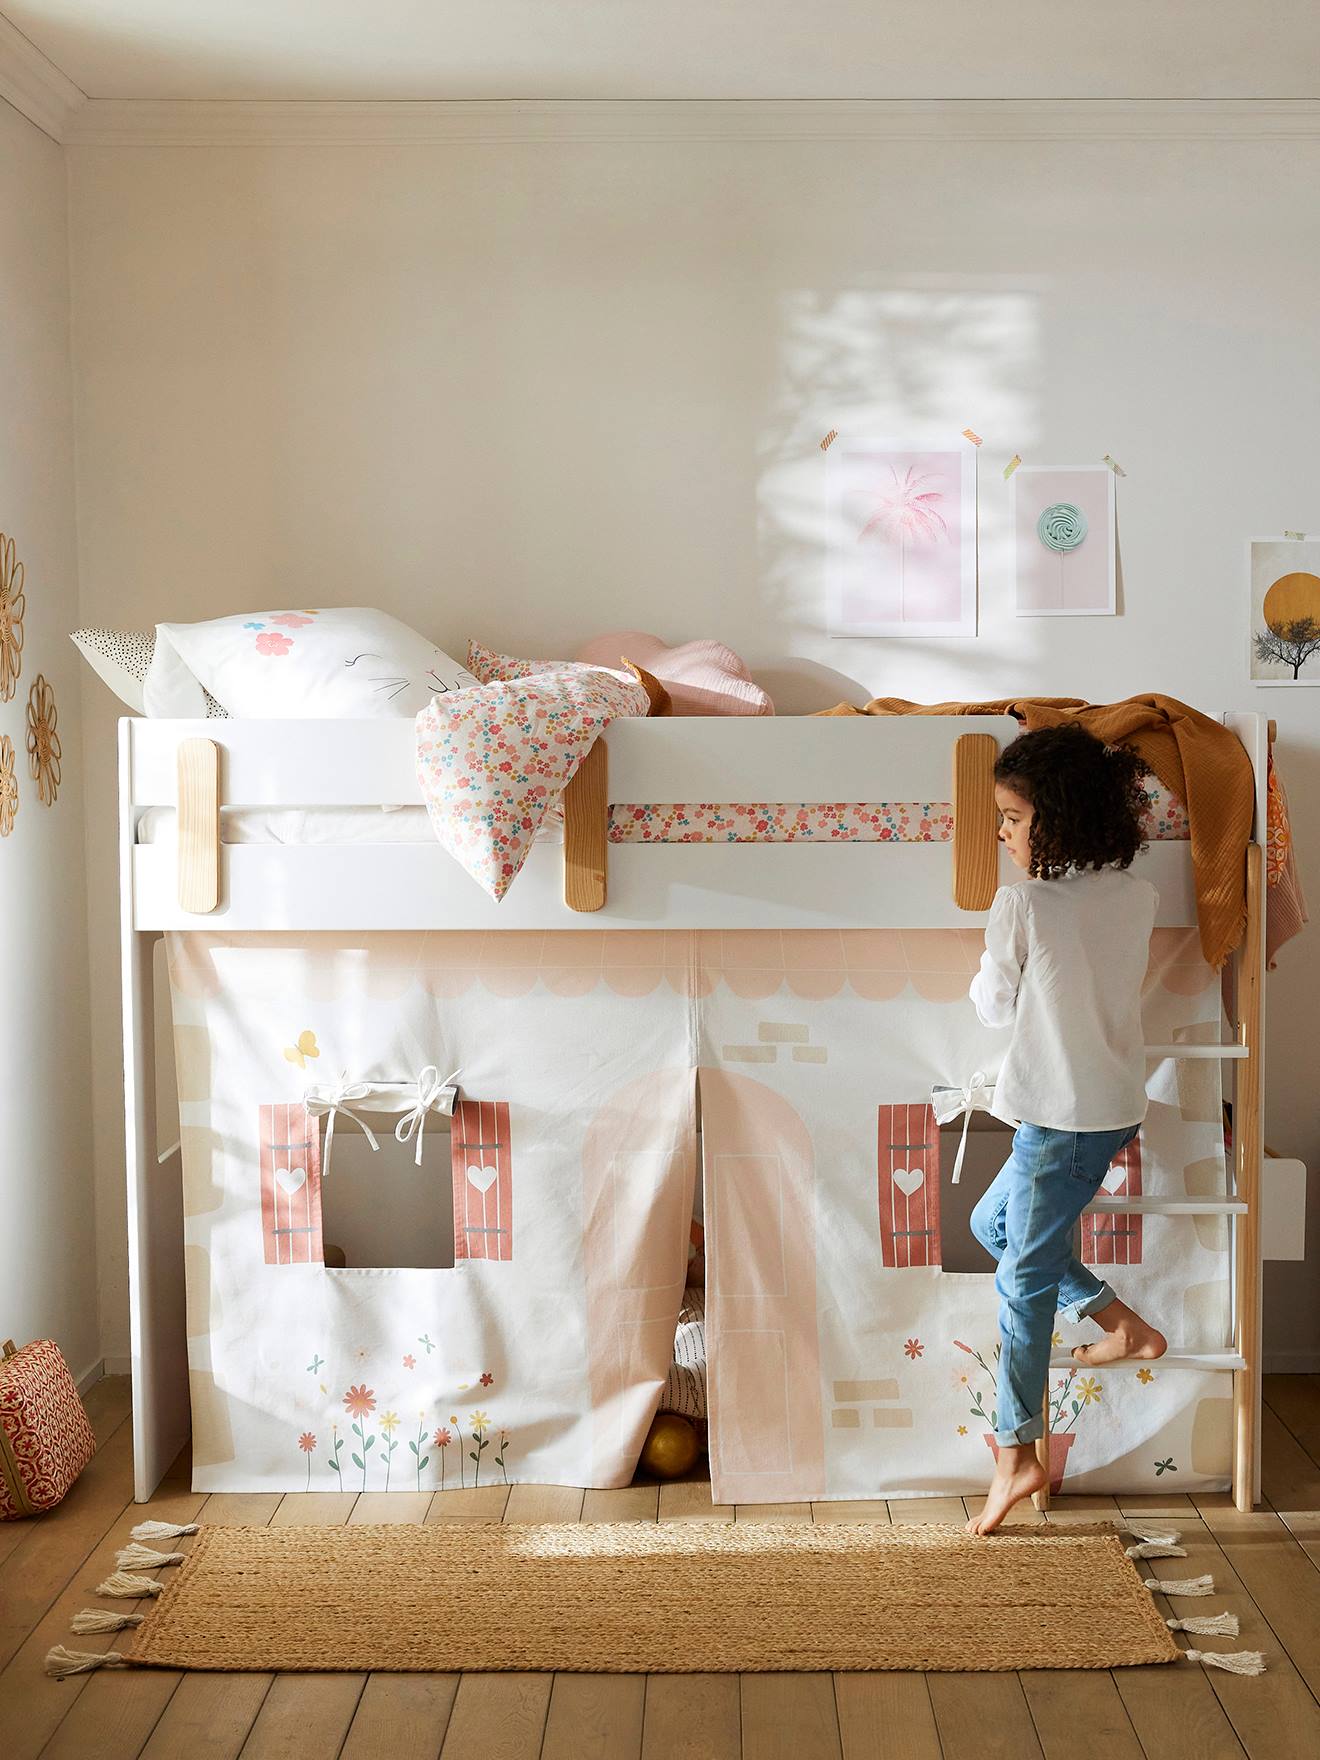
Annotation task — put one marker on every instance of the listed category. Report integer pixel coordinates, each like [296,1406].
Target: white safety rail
[288,764]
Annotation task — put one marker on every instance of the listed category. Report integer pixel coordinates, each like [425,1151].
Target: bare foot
[1126,1335]
[1018,1474]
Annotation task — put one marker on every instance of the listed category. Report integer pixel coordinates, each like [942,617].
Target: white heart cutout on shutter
[1116,1177]
[483,1178]
[909,1180]
[291,1179]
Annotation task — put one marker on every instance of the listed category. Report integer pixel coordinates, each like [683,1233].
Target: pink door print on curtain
[482,1167]
[639,1162]
[908,1186]
[290,1160]
[1109,1239]
[766,1437]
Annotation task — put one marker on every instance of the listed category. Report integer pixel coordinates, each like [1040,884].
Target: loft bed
[186,787]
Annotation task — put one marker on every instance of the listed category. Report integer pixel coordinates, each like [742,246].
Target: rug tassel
[60,1663]
[1151,1549]
[165,1530]
[145,1558]
[1180,1585]
[1204,1624]
[1147,1534]
[1232,1661]
[128,1583]
[100,1619]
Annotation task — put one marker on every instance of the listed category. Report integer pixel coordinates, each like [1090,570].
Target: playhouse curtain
[847,1357]
[540,1353]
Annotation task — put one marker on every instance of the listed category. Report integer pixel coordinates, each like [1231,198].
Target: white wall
[48,1271]
[535,391]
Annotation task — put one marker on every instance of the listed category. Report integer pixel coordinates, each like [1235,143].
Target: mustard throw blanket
[1197,759]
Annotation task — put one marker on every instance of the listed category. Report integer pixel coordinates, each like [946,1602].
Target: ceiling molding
[104,122]
[35,86]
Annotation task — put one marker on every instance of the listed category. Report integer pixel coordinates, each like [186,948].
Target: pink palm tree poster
[902,540]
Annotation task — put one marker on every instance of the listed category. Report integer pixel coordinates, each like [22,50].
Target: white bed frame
[360,887]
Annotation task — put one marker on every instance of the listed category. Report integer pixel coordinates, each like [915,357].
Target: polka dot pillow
[120,658]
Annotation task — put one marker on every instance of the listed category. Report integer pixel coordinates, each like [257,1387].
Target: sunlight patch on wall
[917,364]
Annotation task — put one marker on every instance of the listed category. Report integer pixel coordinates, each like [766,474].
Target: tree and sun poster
[1285,610]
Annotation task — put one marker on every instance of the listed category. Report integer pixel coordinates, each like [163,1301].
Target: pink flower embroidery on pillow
[273,643]
[292,619]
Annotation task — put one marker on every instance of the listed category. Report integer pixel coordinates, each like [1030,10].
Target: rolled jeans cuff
[1092,1305]
[1031,1431]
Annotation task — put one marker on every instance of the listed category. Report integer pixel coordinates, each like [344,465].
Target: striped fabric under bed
[685,1390]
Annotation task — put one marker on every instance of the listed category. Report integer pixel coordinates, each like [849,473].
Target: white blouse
[1063,966]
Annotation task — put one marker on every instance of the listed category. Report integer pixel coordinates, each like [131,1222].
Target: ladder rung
[1167,1207]
[1170,1360]
[1221,1050]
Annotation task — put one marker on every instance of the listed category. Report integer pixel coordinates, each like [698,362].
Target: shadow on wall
[914,364]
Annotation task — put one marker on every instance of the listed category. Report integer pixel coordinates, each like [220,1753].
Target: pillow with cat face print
[337,662]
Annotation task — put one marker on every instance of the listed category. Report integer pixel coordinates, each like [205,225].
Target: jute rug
[641,1597]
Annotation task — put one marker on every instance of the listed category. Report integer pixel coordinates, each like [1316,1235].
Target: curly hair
[1086,798]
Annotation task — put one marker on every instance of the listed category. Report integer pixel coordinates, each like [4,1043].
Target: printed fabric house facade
[845,1359]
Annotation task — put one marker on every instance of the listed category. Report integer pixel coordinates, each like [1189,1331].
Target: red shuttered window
[290,1160]
[908,1186]
[483,1180]
[1109,1239]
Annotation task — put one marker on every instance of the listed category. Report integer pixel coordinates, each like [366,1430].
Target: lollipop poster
[1063,535]
[902,540]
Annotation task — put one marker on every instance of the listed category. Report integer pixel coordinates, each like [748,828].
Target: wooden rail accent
[975,821]
[199,825]
[1247,1146]
[587,831]
[1041,1498]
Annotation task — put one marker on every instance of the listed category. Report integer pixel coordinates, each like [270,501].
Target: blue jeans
[1026,1220]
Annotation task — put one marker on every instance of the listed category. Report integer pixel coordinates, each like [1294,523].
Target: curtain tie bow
[328,1100]
[976,1094]
[433,1095]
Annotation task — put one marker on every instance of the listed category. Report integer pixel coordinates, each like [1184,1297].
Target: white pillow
[120,658]
[287,665]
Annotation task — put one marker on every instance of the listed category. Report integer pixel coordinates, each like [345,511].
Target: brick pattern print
[908,1186]
[482,1169]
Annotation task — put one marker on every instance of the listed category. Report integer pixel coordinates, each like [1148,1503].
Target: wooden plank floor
[1266,1568]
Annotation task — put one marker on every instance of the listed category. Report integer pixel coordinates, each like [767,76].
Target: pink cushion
[702,678]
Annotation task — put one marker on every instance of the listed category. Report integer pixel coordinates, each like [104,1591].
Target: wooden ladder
[1241,1207]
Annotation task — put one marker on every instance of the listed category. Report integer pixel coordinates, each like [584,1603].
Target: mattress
[1164,820]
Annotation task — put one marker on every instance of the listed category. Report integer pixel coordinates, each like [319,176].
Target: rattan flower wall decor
[8,786]
[12,607]
[43,742]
